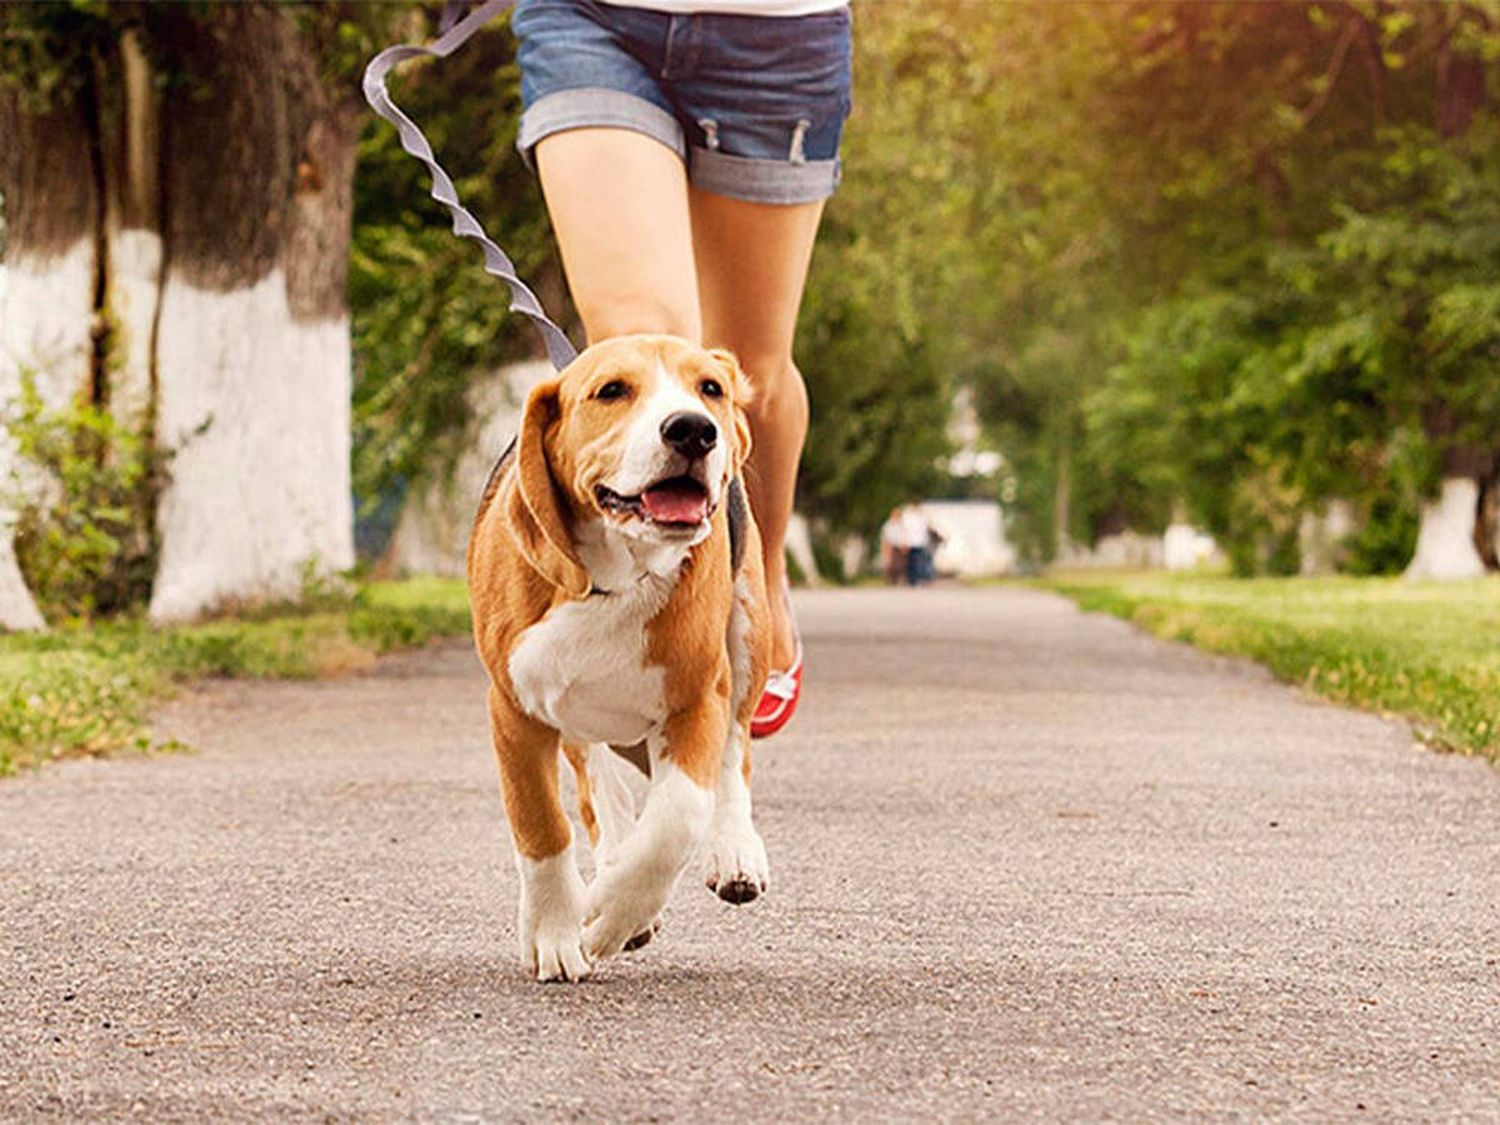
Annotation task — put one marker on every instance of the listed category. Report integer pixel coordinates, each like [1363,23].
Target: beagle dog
[620,608]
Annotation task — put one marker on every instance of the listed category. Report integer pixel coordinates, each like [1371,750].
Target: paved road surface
[1027,864]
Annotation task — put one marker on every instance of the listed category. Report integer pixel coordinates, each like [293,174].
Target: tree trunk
[49,180]
[83,258]
[1445,540]
[131,246]
[432,532]
[1322,537]
[1062,497]
[253,349]
[1487,530]
[1445,537]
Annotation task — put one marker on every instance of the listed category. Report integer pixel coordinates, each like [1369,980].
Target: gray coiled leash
[497,263]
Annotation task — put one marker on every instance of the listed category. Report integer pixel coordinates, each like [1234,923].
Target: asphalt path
[1025,863]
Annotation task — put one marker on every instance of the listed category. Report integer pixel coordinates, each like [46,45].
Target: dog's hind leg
[614,810]
[737,869]
[614,804]
[607,808]
[629,893]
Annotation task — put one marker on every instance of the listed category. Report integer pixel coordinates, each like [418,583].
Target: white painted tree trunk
[252,338]
[799,547]
[1445,541]
[1184,547]
[46,318]
[135,260]
[1321,537]
[432,533]
[255,404]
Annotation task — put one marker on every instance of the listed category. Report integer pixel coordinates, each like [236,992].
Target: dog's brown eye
[611,390]
[711,388]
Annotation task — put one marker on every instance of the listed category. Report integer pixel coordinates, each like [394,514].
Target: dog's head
[642,432]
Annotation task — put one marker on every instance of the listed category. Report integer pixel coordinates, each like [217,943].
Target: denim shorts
[754,105]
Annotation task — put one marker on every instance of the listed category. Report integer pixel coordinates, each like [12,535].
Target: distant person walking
[686,148]
[908,541]
[893,548]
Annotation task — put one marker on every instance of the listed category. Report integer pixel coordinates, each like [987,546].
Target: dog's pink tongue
[675,501]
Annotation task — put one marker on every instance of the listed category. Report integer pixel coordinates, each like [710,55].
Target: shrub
[84,495]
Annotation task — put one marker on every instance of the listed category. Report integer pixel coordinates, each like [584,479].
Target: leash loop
[497,263]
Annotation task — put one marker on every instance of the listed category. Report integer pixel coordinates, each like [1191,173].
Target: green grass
[90,690]
[1428,652]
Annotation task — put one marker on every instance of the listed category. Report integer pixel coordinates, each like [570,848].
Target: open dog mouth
[674,502]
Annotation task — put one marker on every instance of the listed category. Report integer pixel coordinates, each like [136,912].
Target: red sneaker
[779,701]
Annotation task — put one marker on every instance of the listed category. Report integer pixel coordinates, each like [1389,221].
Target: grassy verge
[90,690]
[1429,652]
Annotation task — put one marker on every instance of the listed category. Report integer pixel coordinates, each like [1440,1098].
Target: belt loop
[666,51]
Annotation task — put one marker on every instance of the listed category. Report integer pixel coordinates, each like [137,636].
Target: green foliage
[79,691]
[879,405]
[1300,215]
[1386,538]
[1427,652]
[69,702]
[47,50]
[83,493]
[1227,261]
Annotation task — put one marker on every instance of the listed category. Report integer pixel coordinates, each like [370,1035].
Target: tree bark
[253,348]
[49,180]
[1062,496]
[1487,529]
[130,149]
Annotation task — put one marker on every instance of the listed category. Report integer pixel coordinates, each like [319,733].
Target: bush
[84,495]
[1386,541]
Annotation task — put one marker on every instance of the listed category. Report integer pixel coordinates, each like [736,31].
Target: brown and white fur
[601,626]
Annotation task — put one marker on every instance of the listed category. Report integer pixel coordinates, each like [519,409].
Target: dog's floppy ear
[533,511]
[740,395]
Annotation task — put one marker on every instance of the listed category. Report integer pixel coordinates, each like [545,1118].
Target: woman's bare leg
[752,264]
[619,204]
[644,252]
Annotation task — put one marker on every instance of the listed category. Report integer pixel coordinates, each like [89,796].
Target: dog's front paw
[737,870]
[551,919]
[557,956]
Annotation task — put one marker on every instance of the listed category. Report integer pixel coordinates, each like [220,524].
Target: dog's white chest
[582,669]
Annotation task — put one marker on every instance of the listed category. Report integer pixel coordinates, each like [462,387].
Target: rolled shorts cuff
[757,180]
[594,107]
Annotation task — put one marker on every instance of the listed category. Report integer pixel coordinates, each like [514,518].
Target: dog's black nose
[689,433]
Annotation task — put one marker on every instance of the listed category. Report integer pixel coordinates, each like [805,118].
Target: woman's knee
[776,384]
